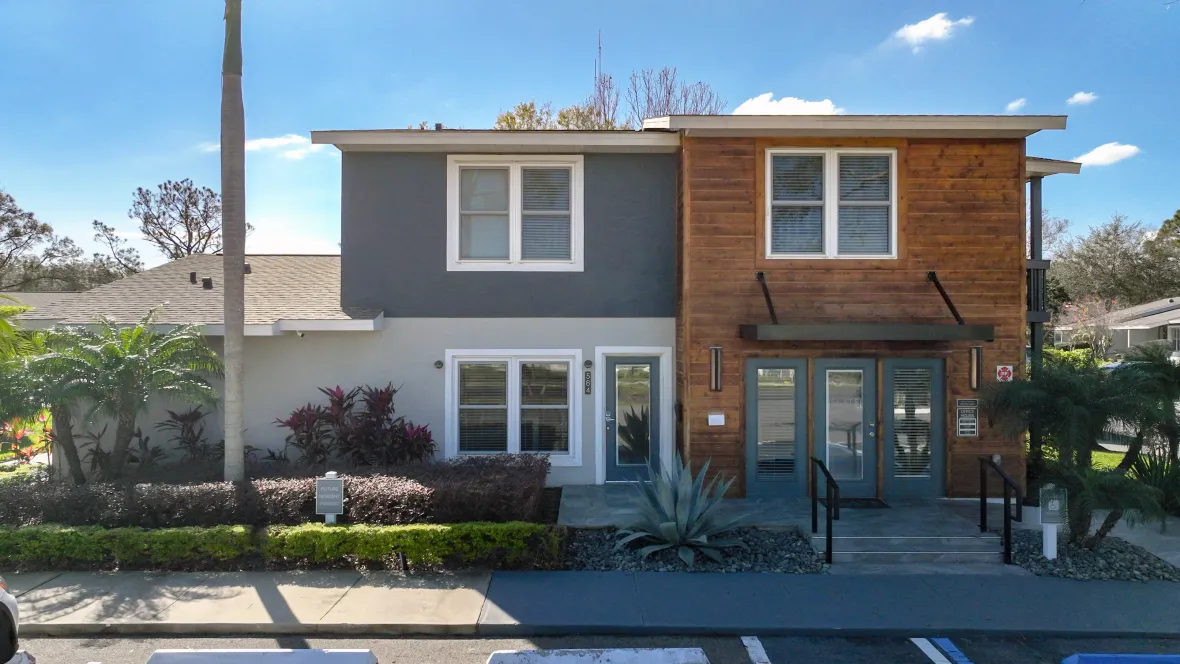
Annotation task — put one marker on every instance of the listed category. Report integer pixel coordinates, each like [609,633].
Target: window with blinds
[777,427]
[512,403]
[509,213]
[836,203]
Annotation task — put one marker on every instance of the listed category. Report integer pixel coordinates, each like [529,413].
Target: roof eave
[917,126]
[491,141]
[1041,167]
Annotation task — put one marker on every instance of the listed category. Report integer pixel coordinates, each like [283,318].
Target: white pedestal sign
[1052,516]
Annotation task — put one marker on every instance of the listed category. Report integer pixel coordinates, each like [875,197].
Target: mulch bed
[783,551]
[1113,559]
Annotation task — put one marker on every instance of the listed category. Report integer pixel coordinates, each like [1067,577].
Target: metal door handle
[609,419]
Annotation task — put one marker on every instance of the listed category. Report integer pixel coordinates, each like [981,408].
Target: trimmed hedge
[511,545]
[498,488]
[91,547]
[464,545]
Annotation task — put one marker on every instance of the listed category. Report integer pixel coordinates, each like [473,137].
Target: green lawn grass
[1107,460]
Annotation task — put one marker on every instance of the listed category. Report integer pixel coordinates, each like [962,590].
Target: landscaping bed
[783,551]
[1113,558]
[231,548]
[496,488]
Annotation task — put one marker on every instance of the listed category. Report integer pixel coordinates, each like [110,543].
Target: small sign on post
[329,496]
[1053,501]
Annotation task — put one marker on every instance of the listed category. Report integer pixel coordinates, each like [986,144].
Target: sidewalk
[540,603]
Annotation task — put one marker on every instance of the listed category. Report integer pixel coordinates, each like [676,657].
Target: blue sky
[98,98]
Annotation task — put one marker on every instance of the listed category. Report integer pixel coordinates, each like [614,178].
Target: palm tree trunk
[124,432]
[63,439]
[233,206]
[1107,525]
[1132,454]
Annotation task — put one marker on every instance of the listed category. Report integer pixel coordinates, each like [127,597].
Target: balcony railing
[1036,270]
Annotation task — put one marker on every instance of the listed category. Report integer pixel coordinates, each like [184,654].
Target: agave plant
[680,512]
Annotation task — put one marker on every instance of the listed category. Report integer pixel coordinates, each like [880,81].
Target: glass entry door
[631,406]
[914,428]
[845,423]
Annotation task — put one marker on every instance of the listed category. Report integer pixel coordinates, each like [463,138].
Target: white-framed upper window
[514,213]
[514,401]
[831,203]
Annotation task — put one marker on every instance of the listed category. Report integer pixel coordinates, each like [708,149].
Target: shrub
[310,435]
[89,547]
[501,487]
[496,488]
[487,545]
[1161,472]
[382,499]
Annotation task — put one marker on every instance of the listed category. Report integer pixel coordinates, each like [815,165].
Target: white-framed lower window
[831,203]
[1174,337]
[514,401]
[521,213]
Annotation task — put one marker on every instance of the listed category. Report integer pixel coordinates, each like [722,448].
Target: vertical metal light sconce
[715,368]
[976,368]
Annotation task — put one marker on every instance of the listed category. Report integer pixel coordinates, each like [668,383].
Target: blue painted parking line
[953,653]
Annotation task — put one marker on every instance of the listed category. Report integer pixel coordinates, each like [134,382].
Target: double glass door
[905,450]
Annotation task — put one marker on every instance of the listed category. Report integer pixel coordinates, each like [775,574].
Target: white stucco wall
[284,372]
[1124,339]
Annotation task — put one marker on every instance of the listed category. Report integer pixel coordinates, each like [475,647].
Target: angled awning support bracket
[933,276]
[761,277]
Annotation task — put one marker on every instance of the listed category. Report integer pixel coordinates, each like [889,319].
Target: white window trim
[514,164]
[831,203]
[514,357]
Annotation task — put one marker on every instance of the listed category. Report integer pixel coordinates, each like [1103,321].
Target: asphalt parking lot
[720,650]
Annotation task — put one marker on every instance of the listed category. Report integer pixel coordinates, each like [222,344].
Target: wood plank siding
[960,213]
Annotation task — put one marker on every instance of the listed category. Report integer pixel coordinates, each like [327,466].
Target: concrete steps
[918,549]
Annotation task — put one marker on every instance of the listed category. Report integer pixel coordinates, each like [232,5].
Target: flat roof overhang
[1042,167]
[916,126]
[492,141]
[867,332]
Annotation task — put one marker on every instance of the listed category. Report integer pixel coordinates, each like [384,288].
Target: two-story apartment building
[751,290]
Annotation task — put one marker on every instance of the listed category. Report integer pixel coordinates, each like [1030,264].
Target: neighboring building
[1153,321]
[593,295]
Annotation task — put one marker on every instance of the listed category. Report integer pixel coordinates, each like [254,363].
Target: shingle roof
[43,298]
[279,287]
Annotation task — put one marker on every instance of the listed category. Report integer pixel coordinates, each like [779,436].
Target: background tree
[122,257]
[179,218]
[1117,262]
[652,94]
[30,251]
[1092,320]
[233,186]
[1170,229]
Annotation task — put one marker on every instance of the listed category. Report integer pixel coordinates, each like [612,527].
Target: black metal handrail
[831,505]
[1011,489]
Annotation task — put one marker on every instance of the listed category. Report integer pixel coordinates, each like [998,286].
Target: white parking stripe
[931,652]
[755,650]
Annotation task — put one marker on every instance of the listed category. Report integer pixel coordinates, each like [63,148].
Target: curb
[234,629]
[338,629]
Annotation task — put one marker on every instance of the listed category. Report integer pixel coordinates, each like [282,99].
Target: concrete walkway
[540,603]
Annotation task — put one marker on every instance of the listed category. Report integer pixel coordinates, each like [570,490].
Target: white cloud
[1081,98]
[935,28]
[1015,105]
[1107,154]
[299,146]
[766,104]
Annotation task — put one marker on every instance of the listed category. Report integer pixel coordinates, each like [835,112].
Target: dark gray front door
[845,423]
[914,428]
[631,414]
[776,429]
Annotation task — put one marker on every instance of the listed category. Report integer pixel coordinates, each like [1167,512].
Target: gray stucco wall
[284,372]
[394,244]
